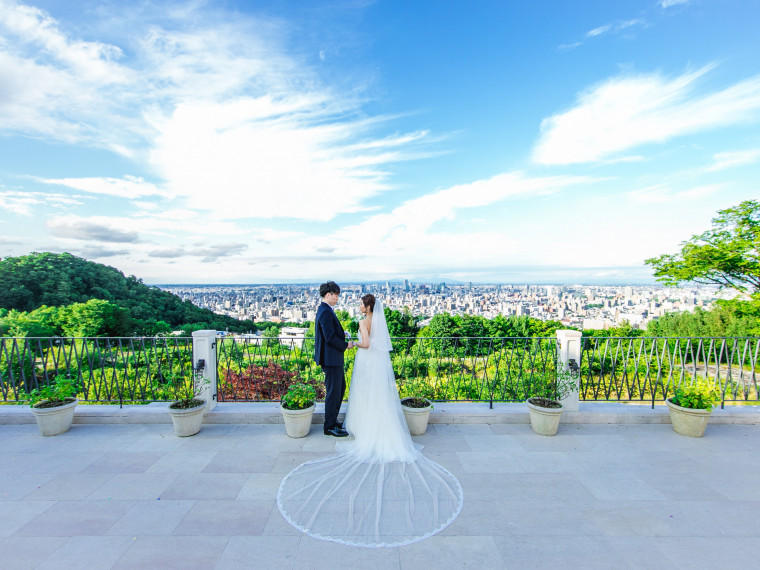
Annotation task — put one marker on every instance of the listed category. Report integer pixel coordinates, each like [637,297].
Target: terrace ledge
[443,413]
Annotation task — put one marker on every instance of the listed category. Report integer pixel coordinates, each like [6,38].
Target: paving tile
[182,462]
[19,461]
[276,525]
[493,443]
[240,518]
[236,462]
[123,462]
[70,462]
[535,551]
[69,486]
[209,442]
[157,517]
[512,429]
[205,486]
[618,486]
[76,518]
[162,552]
[261,441]
[544,462]
[539,517]
[705,553]
[485,462]
[17,486]
[527,486]
[24,552]
[91,552]
[156,443]
[134,486]
[16,514]
[682,486]
[289,460]
[316,554]
[440,551]
[260,486]
[263,552]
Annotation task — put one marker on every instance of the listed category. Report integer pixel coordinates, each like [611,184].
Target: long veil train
[379,490]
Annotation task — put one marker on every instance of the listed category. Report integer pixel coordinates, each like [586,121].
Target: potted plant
[188,408]
[417,414]
[691,406]
[297,407]
[544,404]
[53,405]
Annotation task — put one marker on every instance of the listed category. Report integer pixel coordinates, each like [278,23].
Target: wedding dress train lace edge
[443,526]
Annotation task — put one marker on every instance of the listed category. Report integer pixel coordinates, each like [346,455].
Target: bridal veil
[379,490]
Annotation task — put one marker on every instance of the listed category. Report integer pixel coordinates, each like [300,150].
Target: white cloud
[669,3]
[266,157]
[27,203]
[129,187]
[220,114]
[408,227]
[89,230]
[629,111]
[723,160]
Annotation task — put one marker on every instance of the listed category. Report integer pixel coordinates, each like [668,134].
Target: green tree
[727,255]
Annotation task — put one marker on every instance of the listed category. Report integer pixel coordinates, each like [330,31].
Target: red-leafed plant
[256,383]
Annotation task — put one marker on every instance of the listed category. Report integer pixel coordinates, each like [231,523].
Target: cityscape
[580,306]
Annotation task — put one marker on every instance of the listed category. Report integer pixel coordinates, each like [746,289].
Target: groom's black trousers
[335,386]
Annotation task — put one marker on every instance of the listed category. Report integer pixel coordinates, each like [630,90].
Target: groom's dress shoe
[336,431]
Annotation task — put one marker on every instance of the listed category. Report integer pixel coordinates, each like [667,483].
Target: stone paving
[593,496]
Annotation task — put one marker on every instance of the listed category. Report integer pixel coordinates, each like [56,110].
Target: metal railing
[484,369]
[440,368]
[649,369]
[107,370]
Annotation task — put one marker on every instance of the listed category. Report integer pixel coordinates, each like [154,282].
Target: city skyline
[229,142]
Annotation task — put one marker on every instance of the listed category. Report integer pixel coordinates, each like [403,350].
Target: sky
[244,141]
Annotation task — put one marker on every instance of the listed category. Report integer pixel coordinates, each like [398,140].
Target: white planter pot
[187,421]
[544,421]
[52,421]
[416,418]
[688,421]
[298,422]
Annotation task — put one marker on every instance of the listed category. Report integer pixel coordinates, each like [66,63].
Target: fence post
[204,348]
[569,349]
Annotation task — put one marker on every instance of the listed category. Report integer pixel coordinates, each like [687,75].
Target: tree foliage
[128,306]
[727,255]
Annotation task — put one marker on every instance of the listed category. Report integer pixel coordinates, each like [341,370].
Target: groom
[329,346]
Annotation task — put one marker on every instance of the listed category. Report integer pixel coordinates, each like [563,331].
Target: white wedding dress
[379,490]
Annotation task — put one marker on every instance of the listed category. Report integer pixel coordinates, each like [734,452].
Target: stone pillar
[569,349]
[204,348]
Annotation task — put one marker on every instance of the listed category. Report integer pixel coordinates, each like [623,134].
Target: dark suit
[329,346]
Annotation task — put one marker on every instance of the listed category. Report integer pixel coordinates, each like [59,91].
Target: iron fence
[107,370]
[492,369]
[649,369]
[440,368]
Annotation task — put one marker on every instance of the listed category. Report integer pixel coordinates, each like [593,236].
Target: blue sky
[249,142]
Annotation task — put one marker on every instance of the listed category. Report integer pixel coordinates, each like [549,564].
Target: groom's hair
[329,287]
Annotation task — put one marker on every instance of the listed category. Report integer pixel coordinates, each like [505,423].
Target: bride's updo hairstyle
[369,302]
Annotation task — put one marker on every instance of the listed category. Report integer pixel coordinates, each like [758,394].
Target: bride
[379,490]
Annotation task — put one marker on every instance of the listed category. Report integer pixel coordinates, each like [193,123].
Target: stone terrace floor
[593,496]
